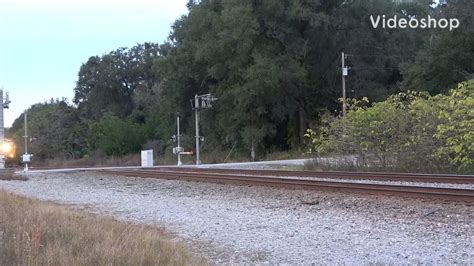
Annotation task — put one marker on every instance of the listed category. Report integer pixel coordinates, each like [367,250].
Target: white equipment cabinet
[147,158]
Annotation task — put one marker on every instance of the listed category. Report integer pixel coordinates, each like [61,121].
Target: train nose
[6,148]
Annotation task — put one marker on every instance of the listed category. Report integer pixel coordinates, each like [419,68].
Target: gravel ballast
[241,224]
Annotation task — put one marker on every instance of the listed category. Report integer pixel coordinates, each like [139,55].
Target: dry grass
[286,155]
[98,161]
[408,166]
[38,233]
[214,156]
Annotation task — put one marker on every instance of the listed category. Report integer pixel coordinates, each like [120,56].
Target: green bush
[410,130]
[456,127]
[116,136]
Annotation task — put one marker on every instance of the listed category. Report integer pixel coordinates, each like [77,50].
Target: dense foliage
[273,64]
[115,136]
[55,128]
[411,130]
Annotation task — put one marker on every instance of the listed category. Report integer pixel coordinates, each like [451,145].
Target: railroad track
[410,177]
[244,177]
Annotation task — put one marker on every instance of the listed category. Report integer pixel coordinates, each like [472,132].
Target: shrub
[409,130]
[115,136]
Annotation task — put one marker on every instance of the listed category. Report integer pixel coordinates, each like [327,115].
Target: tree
[109,83]
[115,136]
[446,56]
[273,64]
[56,130]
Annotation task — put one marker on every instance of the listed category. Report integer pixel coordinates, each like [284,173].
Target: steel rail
[466,195]
[382,176]
[410,177]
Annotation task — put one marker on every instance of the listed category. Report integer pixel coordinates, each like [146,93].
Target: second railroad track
[278,178]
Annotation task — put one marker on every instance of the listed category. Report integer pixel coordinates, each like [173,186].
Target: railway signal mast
[26,158]
[178,150]
[4,104]
[200,102]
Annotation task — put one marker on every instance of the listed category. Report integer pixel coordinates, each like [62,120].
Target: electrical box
[26,158]
[147,158]
[177,150]
[345,71]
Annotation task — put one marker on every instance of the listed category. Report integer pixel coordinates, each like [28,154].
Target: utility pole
[200,102]
[344,74]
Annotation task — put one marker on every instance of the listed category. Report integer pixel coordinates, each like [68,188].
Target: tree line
[274,65]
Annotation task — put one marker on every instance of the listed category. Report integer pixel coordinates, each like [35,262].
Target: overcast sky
[44,42]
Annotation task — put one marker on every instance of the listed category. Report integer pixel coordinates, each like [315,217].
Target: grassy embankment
[33,232]
[216,156]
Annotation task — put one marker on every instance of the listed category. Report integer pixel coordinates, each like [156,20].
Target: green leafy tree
[115,136]
[445,58]
[55,129]
[273,64]
[110,82]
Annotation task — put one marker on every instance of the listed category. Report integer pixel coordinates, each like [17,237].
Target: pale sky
[44,42]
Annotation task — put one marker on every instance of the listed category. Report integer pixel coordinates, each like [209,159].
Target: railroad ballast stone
[241,224]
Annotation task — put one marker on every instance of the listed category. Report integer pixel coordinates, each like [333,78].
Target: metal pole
[26,133]
[26,139]
[196,110]
[343,84]
[179,143]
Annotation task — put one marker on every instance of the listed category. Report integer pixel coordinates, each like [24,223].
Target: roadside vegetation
[33,232]
[410,131]
[217,156]
[274,66]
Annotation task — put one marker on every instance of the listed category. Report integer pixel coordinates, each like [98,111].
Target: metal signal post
[26,158]
[200,102]
[179,149]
